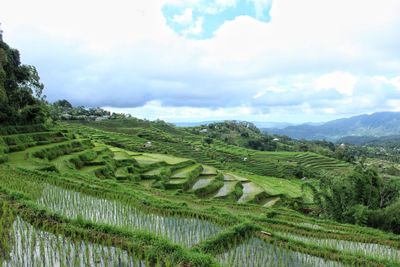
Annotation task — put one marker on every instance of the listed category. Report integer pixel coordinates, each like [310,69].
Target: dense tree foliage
[363,197]
[64,110]
[239,133]
[21,100]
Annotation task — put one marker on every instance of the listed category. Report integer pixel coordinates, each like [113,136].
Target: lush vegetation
[64,110]
[119,191]
[362,197]
[21,100]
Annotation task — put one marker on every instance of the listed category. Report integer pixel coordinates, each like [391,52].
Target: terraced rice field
[276,186]
[228,188]
[87,204]
[185,172]
[257,252]
[250,191]
[208,170]
[154,172]
[364,249]
[315,161]
[144,160]
[202,182]
[185,231]
[234,177]
[31,247]
[171,160]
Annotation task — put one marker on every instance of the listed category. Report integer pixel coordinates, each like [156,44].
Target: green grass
[276,186]
[171,160]
[192,219]
[145,160]
[209,170]
[228,176]
[187,171]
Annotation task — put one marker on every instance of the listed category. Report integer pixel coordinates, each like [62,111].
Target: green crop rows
[74,195]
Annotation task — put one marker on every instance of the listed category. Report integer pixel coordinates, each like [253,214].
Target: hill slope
[72,184]
[376,124]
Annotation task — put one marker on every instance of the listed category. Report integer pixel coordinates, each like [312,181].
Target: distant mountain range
[365,126]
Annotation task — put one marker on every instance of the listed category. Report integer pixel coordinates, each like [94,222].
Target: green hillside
[84,187]
[176,201]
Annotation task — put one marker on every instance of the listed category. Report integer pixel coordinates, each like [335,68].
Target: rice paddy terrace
[74,195]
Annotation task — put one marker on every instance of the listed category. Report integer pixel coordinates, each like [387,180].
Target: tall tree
[21,92]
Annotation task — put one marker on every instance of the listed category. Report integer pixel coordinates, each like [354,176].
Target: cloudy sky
[196,60]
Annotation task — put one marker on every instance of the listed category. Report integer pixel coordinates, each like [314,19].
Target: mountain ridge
[375,125]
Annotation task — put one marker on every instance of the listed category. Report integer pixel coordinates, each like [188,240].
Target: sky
[201,60]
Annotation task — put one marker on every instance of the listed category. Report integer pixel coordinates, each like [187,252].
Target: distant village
[63,110]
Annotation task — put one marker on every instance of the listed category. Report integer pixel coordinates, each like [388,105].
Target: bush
[8,130]
[3,158]
[55,151]
[386,219]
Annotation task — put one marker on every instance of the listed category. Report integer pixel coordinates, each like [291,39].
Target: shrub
[8,130]
[55,151]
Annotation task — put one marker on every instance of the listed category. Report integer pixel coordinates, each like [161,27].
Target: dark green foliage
[363,197]
[3,158]
[239,133]
[18,142]
[84,159]
[237,193]
[63,104]
[21,99]
[63,110]
[8,130]
[6,221]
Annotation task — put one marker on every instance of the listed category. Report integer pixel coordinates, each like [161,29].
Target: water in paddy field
[255,252]
[35,248]
[366,249]
[185,231]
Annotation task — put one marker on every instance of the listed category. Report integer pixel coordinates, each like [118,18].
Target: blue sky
[197,60]
[200,20]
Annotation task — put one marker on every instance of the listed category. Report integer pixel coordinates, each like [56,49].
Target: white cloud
[310,35]
[340,81]
[329,110]
[396,82]
[394,104]
[126,55]
[272,89]
[155,110]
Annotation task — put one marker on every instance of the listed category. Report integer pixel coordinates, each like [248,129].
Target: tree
[362,197]
[21,92]
[63,104]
